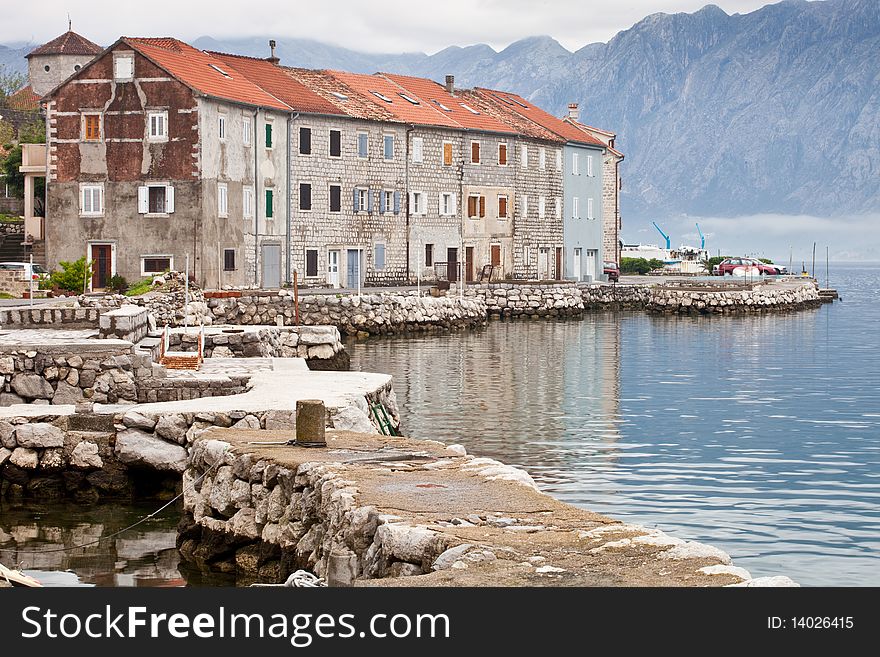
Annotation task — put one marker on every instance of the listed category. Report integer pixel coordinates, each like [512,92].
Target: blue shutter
[370,201]
[355,202]
[382,207]
[396,202]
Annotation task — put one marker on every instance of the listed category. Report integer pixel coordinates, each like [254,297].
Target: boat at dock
[18,578]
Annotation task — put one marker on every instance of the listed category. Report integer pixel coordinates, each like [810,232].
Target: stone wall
[128,322]
[528,299]
[370,313]
[40,317]
[13,282]
[690,299]
[615,297]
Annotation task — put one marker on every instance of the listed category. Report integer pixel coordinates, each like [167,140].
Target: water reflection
[759,434]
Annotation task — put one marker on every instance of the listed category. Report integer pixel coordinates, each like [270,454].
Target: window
[542,158]
[408,98]
[524,206]
[91,200]
[381,96]
[469,109]
[220,71]
[417,203]
[305,141]
[335,143]
[362,144]
[335,198]
[155,199]
[589,165]
[222,200]
[429,255]
[418,147]
[388,147]
[590,209]
[559,160]
[246,130]
[502,206]
[221,128]
[91,130]
[247,202]
[527,256]
[447,154]
[156,264]
[524,156]
[270,204]
[475,152]
[558,208]
[575,164]
[502,154]
[228,259]
[476,206]
[447,204]
[123,67]
[542,206]
[268,135]
[363,201]
[575,208]
[305,196]
[157,124]
[379,256]
[386,201]
[311,262]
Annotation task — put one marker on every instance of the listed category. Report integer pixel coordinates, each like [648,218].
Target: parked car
[27,269]
[746,266]
[612,271]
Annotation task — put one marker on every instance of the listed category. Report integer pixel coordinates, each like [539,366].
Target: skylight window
[220,71]
[409,98]
[503,99]
[381,96]
[339,95]
[469,109]
[519,103]
[442,106]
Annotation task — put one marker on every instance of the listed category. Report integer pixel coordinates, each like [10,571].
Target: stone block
[39,435]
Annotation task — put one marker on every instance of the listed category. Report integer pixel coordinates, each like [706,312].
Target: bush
[639,265]
[117,283]
[74,276]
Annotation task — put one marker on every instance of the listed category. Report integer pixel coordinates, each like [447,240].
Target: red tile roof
[510,102]
[517,123]
[69,43]
[204,72]
[336,92]
[452,109]
[590,130]
[23,99]
[279,83]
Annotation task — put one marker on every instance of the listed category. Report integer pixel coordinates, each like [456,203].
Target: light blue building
[582,211]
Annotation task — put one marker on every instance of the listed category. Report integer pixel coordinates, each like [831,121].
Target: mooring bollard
[310,420]
[341,568]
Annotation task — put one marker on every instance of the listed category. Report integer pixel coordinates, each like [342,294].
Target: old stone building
[52,63]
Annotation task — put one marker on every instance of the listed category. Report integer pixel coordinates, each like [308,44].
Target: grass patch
[139,288]
[6,295]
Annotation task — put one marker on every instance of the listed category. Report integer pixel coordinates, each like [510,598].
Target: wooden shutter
[169,199]
[311,262]
[305,141]
[502,154]
[268,136]
[270,209]
[396,202]
[475,152]
[472,206]
[447,154]
[143,199]
[502,206]
[482,206]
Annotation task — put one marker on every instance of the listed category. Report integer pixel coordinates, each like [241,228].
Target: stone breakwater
[375,510]
[528,300]
[695,300]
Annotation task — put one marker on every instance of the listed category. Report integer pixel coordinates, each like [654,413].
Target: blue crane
[702,239]
[668,246]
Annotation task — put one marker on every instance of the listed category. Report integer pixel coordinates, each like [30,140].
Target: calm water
[760,435]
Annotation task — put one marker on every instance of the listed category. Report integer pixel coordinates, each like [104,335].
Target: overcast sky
[374,25]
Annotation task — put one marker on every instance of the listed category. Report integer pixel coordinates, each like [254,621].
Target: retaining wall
[39,317]
[124,323]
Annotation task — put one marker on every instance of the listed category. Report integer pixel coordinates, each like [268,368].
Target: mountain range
[774,111]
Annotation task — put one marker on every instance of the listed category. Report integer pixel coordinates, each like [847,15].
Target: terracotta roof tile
[517,123]
[348,100]
[204,72]
[23,99]
[69,43]
[590,130]
[277,81]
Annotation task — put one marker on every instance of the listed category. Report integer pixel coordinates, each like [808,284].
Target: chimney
[272,59]
[450,84]
[573,112]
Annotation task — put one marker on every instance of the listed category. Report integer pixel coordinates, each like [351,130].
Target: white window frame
[162,116]
[311,207]
[559,160]
[388,200]
[447,204]
[527,255]
[247,202]
[363,199]
[575,164]
[590,209]
[119,57]
[542,158]
[234,257]
[330,209]
[542,206]
[330,141]
[222,200]
[246,130]
[317,273]
[100,116]
[312,132]
[92,188]
[221,127]
[590,166]
[385,137]
[418,152]
[479,151]
[524,156]
[418,203]
[366,155]
[575,207]
[144,200]
[146,273]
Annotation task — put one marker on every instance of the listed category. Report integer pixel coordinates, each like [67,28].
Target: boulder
[172,427]
[10,399]
[7,434]
[25,458]
[67,394]
[4,455]
[85,455]
[134,420]
[39,435]
[32,386]
[136,447]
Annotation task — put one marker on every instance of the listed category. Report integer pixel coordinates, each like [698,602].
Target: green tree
[74,276]
[10,82]
[30,133]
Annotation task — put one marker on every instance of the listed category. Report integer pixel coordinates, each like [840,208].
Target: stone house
[52,63]
[156,153]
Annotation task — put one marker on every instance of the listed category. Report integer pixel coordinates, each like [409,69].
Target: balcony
[33,158]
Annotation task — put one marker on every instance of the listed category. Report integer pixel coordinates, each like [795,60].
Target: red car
[729,266]
[612,271]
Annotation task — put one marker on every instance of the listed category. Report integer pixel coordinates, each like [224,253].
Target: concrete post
[28,197]
[341,568]
[310,422]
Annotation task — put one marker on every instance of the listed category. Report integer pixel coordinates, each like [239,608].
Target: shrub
[117,283]
[74,276]
[639,265]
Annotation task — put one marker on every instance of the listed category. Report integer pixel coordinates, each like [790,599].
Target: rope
[121,531]
[300,579]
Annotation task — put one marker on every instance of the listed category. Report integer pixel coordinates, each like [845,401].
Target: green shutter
[268,135]
[269,208]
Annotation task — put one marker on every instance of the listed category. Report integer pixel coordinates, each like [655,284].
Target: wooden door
[469,263]
[558,263]
[495,252]
[102,264]
[452,265]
